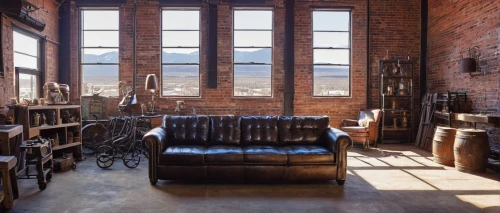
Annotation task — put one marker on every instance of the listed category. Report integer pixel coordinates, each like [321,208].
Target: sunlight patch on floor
[365,162]
[481,201]
[426,161]
[400,161]
[392,180]
[455,180]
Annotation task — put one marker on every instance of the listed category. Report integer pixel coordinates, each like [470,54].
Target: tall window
[180,52]
[331,53]
[99,52]
[28,63]
[252,53]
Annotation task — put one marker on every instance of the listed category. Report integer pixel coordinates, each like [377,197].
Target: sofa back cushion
[302,130]
[225,130]
[259,130]
[186,129]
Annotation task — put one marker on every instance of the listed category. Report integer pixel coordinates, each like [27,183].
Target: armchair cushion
[349,129]
[365,122]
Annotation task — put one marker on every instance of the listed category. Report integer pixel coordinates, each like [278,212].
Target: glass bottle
[405,120]
[402,87]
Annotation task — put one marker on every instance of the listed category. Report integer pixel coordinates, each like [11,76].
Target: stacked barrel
[467,149]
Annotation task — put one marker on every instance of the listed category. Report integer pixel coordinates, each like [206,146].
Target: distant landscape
[183,80]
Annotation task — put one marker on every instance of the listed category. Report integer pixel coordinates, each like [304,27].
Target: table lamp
[152,86]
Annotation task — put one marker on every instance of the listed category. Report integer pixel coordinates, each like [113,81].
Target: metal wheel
[132,158]
[42,185]
[93,135]
[143,126]
[105,156]
[49,176]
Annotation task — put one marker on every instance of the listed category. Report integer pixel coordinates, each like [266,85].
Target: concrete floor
[392,178]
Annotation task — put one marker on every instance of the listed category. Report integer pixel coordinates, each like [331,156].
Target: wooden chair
[365,129]
[9,181]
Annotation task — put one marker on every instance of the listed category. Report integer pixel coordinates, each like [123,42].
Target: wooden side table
[6,133]
[9,179]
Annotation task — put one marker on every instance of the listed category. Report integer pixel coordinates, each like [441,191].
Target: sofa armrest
[350,122]
[339,142]
[155,140]
[334,139]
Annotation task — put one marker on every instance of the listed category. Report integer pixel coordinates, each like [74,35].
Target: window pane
[331,81]
[100,39]
[25,44]
[180,55]
[28,86]
[100,20]
[252,80]
[181,38]
[325,56]
[181,80]
[100,55]
[180,20]
[252,39]
[262,20]
[336,40]
[331,20]
[256,55]
[25,61]
[101,76]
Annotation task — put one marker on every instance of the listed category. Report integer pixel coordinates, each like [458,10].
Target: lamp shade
[467,65]
[151,82]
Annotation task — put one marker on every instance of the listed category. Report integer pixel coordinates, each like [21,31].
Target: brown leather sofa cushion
[259,130]
[224,155]
[308,154]
[182,154]
[258,154]
[186,130]
[225,130]
[302,130]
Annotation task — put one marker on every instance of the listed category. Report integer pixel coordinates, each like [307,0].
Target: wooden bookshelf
[62,128]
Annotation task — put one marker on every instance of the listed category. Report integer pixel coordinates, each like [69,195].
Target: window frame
[162,46]
[332,48]
[40,71]
[81,46]
[271,64]
[28,71]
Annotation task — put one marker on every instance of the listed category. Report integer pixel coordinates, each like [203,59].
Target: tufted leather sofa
[248,148]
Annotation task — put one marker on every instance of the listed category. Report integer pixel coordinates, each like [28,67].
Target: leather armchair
[365,129]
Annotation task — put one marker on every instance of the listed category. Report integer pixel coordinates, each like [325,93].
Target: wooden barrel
[471,150]
[442,145]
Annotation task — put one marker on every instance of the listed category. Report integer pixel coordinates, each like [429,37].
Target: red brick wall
[394,27]
[456,26]
[337,108]
[51,19]
[220,100]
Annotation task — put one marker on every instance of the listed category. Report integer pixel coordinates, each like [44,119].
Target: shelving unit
[68,132]
[396,101]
